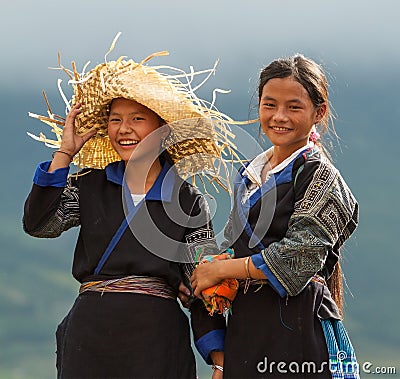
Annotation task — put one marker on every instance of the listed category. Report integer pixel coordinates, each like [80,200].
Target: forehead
[122,104]
[285,89]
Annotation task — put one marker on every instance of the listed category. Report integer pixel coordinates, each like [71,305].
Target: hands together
[206,275]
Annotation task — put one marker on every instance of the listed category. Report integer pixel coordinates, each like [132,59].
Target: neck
[280,153]
[141,177]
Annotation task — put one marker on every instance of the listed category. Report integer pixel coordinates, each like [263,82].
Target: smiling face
[287,113]
[129,124]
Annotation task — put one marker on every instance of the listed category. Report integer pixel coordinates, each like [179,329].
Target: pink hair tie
[314,135]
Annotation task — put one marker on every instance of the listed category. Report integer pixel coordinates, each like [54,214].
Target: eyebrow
[129,114]
[295,100]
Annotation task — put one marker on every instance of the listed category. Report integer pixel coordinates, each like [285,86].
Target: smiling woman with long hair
[292,213]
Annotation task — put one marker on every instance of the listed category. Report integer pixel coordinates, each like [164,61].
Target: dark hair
[312,77]
[308,73]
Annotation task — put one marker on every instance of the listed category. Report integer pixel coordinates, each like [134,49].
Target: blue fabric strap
[117,236]
[342,359]
[132,209]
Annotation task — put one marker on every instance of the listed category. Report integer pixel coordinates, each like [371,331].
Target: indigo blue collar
[160,190]
[115,172]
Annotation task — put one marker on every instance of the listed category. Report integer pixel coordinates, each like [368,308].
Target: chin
[124,155]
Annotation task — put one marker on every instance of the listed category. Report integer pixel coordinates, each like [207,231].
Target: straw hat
[199,135]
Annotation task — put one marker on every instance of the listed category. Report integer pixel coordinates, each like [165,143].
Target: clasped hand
[206,275]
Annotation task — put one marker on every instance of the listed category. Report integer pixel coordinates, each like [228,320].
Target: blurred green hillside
[37,288]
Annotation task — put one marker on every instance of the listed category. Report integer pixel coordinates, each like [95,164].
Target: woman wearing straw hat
[292,213]
[140,223]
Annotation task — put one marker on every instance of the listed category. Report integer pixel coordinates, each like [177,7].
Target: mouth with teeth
[128,143]
[280,129]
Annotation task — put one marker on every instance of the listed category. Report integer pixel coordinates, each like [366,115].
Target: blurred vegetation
[37,288]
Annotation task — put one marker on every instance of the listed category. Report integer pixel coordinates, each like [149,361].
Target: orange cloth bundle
[219,298]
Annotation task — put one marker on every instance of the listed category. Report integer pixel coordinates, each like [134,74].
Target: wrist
[247,274]
[247,268]
[220,269]
[217,358]
[63,152]
[217,367]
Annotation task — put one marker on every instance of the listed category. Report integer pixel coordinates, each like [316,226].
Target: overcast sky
[243,34]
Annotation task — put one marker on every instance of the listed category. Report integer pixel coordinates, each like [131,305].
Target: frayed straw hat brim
[199,132]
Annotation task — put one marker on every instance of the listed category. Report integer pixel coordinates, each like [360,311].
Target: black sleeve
[208,331]
[48,211]
[325,214]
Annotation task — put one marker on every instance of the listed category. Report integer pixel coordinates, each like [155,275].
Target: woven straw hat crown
[199,133]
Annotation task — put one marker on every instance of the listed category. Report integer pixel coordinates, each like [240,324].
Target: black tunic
[125,335]
[292,228]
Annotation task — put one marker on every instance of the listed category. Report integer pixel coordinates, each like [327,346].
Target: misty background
[355,41]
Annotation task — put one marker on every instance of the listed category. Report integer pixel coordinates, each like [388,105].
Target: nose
[125,127]
[280,115]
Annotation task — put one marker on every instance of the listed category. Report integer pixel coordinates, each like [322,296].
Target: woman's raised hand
[71,143]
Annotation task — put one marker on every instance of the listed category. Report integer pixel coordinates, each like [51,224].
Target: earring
[314,135]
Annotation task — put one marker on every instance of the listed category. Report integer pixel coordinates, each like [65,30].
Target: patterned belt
[135,284]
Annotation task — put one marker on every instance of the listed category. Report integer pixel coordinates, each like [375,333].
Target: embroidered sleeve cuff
[259,262]
[57,178]
[212,341]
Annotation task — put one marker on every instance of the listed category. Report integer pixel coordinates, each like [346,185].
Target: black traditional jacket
[164,231]
[294,225]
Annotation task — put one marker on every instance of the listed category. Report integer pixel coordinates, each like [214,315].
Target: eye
[294,107]
[268,105]
[113,119]
[137,118]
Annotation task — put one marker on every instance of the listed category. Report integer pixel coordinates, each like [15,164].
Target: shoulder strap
[117,236]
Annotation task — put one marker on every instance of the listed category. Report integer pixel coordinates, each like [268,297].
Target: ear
[321,111]
[165,130]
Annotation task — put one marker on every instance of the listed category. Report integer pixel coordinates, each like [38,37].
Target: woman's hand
[71,143]
[184,295]
[217,374]
[206,275]
[218,359]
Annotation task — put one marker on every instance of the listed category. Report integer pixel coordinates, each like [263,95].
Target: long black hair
[312,77]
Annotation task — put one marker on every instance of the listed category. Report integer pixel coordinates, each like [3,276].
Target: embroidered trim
[329,201]
[199,243]
[326,216]
[66,216]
